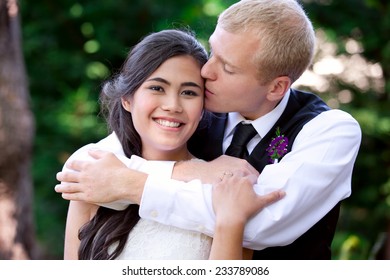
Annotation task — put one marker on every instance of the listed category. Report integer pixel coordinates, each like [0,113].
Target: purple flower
[278,147]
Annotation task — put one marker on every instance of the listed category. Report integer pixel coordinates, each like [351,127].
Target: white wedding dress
[150,240]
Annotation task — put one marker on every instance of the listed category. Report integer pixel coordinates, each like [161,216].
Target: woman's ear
[126,104]
[279,87]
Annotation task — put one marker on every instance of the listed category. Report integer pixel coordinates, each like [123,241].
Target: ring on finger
[226,173]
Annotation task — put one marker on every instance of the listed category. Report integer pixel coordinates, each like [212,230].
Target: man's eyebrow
[223,60]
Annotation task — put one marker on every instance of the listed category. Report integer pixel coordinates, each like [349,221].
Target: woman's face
[167,107]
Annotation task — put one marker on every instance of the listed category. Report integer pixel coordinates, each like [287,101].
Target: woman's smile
[168,123]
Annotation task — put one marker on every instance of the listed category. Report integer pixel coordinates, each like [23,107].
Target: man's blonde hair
[285,33]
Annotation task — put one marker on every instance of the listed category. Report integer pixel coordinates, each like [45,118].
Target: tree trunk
[17,233]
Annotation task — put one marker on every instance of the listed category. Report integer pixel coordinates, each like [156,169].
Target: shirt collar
[262,124]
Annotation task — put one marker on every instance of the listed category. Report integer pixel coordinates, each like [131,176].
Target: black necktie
[243,134]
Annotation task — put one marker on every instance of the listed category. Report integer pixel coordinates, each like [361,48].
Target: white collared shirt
[262,125]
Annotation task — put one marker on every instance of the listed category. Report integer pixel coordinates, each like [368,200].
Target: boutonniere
[278,147]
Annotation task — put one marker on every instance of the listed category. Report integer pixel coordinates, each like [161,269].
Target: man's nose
[207,71]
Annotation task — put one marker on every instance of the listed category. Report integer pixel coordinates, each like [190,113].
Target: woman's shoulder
[109,143]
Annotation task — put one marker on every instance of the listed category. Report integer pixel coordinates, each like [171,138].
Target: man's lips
[208,92]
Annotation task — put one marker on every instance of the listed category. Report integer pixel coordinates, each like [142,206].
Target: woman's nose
[172,103]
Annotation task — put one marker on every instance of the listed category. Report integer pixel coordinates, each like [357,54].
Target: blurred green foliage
[70,47]
[364,223]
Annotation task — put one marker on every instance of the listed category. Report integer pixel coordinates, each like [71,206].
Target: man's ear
[278,88]
[126,104]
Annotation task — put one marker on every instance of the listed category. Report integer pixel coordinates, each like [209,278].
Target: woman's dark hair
[110,227]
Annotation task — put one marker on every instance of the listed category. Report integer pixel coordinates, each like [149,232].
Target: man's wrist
[185,171]
[133,185]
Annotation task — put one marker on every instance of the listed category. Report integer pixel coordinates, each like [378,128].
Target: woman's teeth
[168,123]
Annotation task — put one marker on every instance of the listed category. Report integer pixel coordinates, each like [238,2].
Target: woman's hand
[234,202]
[234,198]
[210,172]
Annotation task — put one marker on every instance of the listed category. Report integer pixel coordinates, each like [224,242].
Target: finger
[226,175]
[76,165]
[66,188]
[271,197]
[97,154]
[238,173]
[61,188]
[71,196]
[68,177]
[252,178]
[70,192]
[252,170]
[247,169]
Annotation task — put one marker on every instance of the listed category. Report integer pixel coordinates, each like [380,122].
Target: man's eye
[227,71]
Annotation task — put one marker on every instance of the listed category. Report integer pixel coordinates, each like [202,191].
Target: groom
[297,143]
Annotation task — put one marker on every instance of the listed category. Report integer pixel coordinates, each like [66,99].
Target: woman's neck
[168,155]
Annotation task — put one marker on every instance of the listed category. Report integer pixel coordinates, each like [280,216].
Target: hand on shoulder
[210,172]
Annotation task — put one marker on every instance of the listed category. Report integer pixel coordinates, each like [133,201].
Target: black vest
[301,108]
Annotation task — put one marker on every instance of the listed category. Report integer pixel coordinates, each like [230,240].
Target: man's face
[231,75]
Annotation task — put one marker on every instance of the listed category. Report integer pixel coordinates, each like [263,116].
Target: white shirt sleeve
[315,175]
[162,169]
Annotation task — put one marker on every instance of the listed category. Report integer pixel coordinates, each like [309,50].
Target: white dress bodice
[151,240]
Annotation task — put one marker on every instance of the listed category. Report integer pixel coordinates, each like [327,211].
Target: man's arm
[107,180]
[104,180]
[315,175]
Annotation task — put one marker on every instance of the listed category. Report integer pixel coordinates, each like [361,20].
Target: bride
[154,105]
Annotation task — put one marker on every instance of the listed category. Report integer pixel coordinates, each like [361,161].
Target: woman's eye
[189,93]
[156,88]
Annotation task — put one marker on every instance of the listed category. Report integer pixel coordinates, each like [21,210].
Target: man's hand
[106,179]
[210,172]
